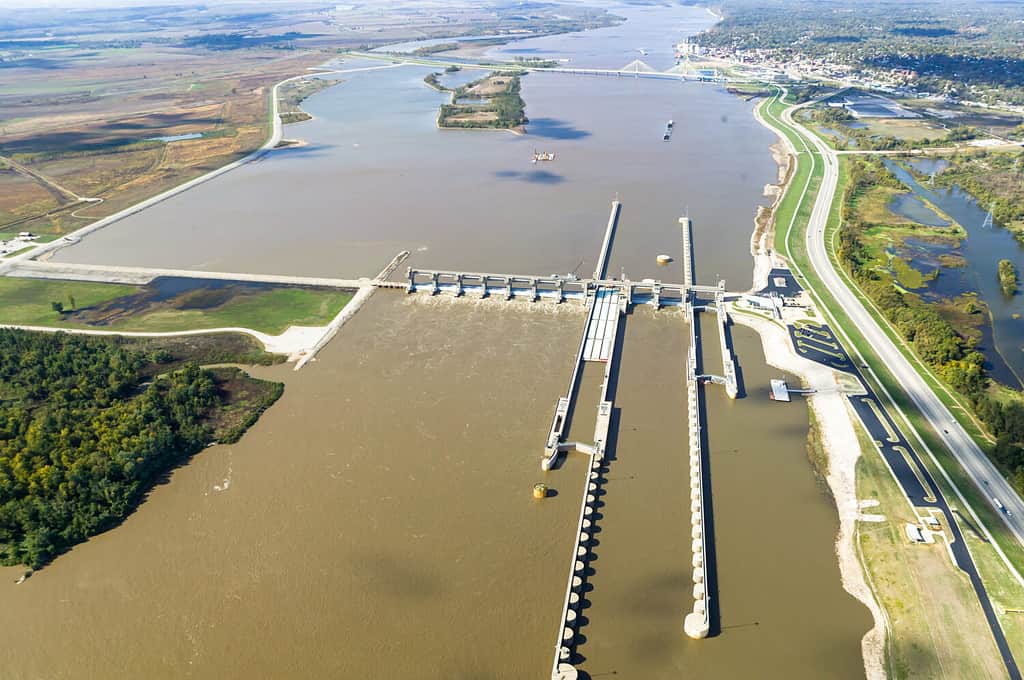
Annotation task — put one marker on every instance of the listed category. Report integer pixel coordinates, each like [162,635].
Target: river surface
[378,520]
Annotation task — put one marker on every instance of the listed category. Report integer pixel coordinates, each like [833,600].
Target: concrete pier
[598,344]
[602,260]
[687,229]
[697,622]
[728,363]
[605,314]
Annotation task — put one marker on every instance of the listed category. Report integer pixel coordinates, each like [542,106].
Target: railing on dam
[558,289]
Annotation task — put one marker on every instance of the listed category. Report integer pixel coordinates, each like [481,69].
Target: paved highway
[970,456]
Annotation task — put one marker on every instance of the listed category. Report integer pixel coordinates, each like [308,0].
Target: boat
[668,131]
[543,156]
[670,124]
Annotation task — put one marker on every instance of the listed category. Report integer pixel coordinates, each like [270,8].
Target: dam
[608,302]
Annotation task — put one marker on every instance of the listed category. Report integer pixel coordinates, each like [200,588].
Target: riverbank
[763,237]
[831,413]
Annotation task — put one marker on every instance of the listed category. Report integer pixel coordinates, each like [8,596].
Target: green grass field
[28,302]
[269,312]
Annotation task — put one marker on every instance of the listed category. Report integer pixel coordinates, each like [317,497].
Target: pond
[927,166]
[913,208]
[175,138]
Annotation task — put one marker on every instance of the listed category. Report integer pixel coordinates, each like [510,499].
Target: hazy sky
[22,4]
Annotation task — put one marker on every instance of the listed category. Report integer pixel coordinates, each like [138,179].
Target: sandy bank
[293,341]
[831,410]
[763,238]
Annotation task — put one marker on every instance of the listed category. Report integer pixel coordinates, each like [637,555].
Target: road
[973,460]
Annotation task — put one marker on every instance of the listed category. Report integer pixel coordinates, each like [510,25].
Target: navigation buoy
[540,490]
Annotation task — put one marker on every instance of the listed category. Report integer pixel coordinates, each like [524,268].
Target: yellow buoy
[540,490]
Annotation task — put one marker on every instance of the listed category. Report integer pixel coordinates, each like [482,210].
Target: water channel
[1002,341]
[378,521]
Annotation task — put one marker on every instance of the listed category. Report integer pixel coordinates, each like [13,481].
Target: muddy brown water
[781,610]
[370,528]
[378,521]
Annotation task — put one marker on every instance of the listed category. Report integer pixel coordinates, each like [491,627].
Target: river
[378,520]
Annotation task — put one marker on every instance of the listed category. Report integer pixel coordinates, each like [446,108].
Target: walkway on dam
[144,275]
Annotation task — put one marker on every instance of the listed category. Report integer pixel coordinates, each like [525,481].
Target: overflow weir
[607,301]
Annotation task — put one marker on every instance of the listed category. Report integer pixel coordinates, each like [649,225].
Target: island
[491,102]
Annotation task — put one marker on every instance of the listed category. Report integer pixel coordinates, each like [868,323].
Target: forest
[88,426]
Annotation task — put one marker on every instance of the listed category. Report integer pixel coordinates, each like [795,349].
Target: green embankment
[29,302]
[936,457]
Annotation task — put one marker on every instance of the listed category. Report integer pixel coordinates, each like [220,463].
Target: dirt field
[489,86]
[83,109]
[113,155]
[903,128]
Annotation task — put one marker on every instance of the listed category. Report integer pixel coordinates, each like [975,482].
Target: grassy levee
[1003,588]
[27,302]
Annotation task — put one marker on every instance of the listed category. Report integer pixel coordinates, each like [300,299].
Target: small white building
[914,533]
